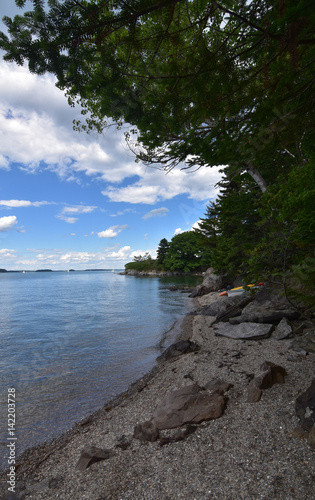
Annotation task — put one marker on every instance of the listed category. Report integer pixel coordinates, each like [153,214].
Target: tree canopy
[200,83]
[203,82]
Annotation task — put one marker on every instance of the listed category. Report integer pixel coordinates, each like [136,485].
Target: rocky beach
[227,413]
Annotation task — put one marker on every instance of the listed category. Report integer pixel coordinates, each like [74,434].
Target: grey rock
[212,281]
[266,308]
[264,316]
[92,454]
[236,306]
[123,442]
[283,330]
[306,342]
[147,431]
[305,407]
[217,308]
[311,438]
[269,375]
[218,385]
[243,331]
[190,404]
[199,291]
[181,347]
[179,435]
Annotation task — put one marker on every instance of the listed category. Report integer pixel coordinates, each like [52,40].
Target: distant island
[53,271]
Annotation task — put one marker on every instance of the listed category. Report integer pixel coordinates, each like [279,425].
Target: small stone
[123,442]
[147,431]
[218,385]
[283,330]
[311,438]
[92,454]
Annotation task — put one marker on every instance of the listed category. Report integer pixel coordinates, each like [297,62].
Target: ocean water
[69,342]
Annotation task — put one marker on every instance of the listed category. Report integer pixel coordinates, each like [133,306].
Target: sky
[79,201]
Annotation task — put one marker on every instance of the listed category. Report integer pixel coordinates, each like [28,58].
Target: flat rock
[243,331]
[92,454]
[188,405]
[179,348]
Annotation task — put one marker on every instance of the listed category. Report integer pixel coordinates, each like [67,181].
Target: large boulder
[188,405]
[243,331]
[217,308]
[211,283]
[269,375]
[267,307]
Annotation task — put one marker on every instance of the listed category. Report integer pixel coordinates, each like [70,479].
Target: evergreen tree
[162,250]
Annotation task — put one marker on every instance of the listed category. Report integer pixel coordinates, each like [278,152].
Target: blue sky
[72,200]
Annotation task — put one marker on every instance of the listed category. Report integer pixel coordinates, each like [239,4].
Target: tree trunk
[258,178]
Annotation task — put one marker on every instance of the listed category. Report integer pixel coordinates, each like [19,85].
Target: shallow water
[71,341]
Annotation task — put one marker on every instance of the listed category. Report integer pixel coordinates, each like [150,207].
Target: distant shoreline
[4,271]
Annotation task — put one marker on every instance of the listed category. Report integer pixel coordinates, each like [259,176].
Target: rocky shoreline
[222,415]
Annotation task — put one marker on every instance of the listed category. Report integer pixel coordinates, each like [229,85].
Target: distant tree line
[186,252]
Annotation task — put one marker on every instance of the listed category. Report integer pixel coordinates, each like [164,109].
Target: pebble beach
[251,452]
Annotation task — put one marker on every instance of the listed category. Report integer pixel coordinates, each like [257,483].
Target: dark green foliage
[143,263]
[162,250]
[187,252]
[286,253]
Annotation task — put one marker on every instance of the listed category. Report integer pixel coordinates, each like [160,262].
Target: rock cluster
[245,317]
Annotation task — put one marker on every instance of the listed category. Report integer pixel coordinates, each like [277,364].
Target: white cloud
[36,128]
[155,185]
[178,231]
[36,133]
[78,209]
[156,212]
[7,223]
[112,231]
[7,253]
[123,253]
[137,253]
[23,203]
[69,220]
[196,225]
[75,209]
[61,259]
[4,163]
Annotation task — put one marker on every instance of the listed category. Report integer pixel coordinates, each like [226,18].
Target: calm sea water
[71,341]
